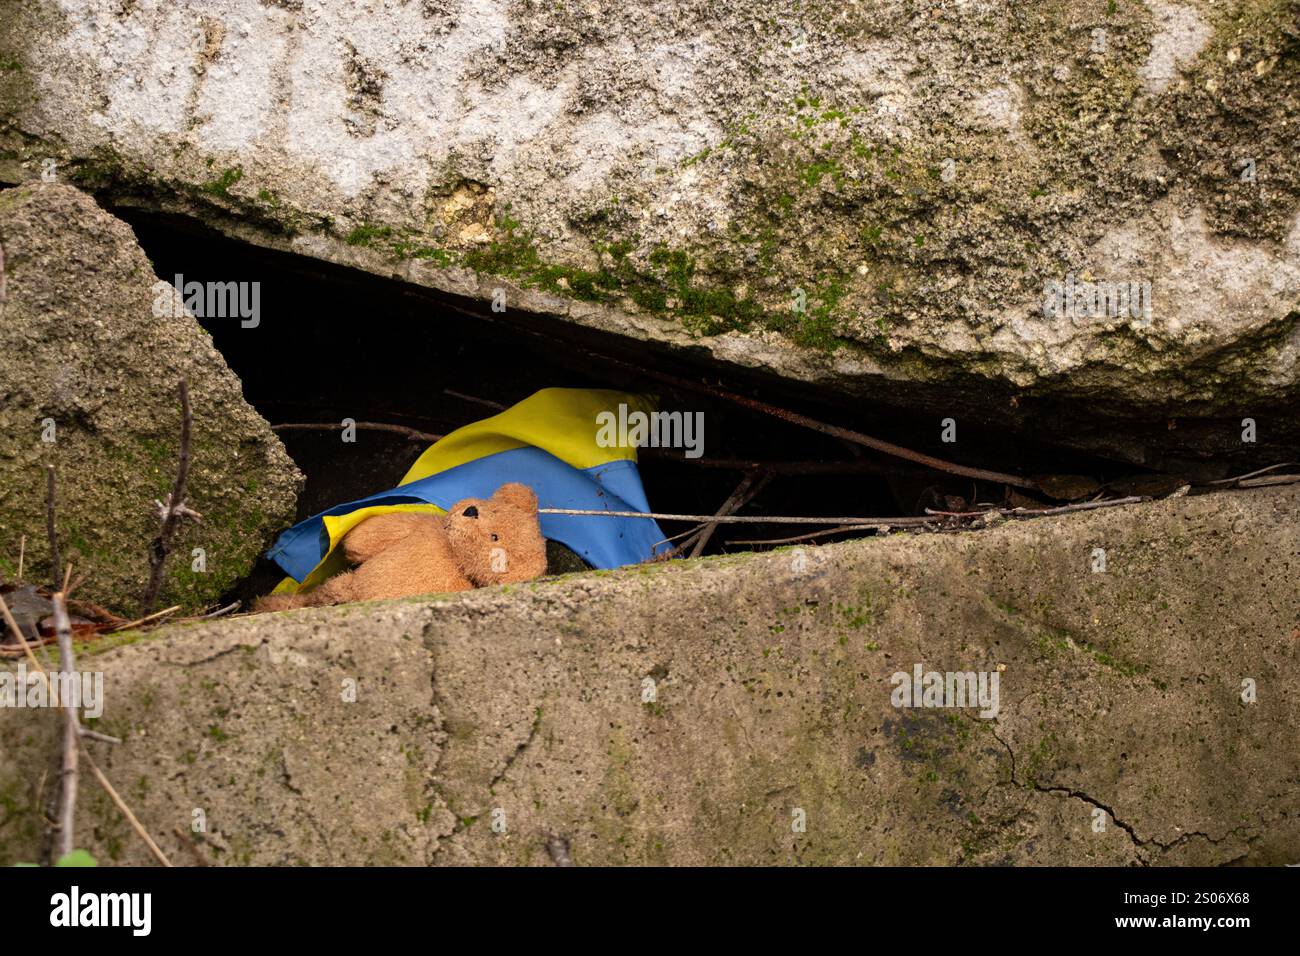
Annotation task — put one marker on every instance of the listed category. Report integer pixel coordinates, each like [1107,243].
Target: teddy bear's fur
[480,541]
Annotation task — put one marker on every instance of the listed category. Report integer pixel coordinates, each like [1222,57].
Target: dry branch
[128,625]
[900,522]
[1041,512]
[846,434]
[86,734]
[126,812]
[71,728]
[803,537]
[412,433]
[745,492]
[174,509]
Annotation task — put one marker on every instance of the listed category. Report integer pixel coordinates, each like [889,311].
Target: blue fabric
[601,542]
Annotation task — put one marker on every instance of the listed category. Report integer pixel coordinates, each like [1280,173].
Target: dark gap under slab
[334,342]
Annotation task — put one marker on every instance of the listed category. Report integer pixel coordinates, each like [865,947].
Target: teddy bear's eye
[494,537]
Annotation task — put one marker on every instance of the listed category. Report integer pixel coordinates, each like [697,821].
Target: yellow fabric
[544,420]
[338,526]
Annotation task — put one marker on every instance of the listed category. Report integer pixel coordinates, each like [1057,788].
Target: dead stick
[89,734]
[221,611]
[67,591]
[22,554]
[1080,506]
[688,533]
[859,467]
[71,728]
[1252,474]
[803,537]
[126,812]
[901,522]
[474,399]
[701,537]
[411,433]
[65,651]
[172,509]
[1040,512]
[49,525]
[876,444]
[1268,481]
[745,492]
[794,418]
[144,620]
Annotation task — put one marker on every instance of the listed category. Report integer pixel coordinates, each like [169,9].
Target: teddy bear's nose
[470,512]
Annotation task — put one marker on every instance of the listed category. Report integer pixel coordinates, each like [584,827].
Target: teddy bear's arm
[380,533]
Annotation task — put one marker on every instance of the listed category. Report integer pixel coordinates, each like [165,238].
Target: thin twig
[67,578]
[898,522]
[22,554]
[803,537]
[412,433]
[71,728]
[474,399]
[1252,474]
[1077,506]
[847,434]
[89,734]
[221,611]
[747,519]
[126,812]
[745,492]
[174,508]
[144,620]
[65,652]
[1041,512]
[688,533]
[859,466]
[1268,481]
[49,526]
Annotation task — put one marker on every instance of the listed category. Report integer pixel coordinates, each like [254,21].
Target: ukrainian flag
[548,442]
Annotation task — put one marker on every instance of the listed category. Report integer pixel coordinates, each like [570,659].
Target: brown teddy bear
[480,541]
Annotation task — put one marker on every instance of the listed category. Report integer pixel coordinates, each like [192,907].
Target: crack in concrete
[519,750]
[212,657]
[1138,842]
[1143,846]
[440,837]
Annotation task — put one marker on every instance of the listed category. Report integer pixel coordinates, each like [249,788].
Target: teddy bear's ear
[521,496]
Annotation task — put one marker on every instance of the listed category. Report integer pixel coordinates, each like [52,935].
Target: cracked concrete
[698,712]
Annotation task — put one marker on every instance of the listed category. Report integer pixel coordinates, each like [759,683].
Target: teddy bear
[478,542]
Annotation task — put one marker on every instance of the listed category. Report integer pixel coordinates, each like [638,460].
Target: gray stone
[1122,735]
[85,361]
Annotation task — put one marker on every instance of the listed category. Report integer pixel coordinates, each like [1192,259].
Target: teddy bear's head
[497,540]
